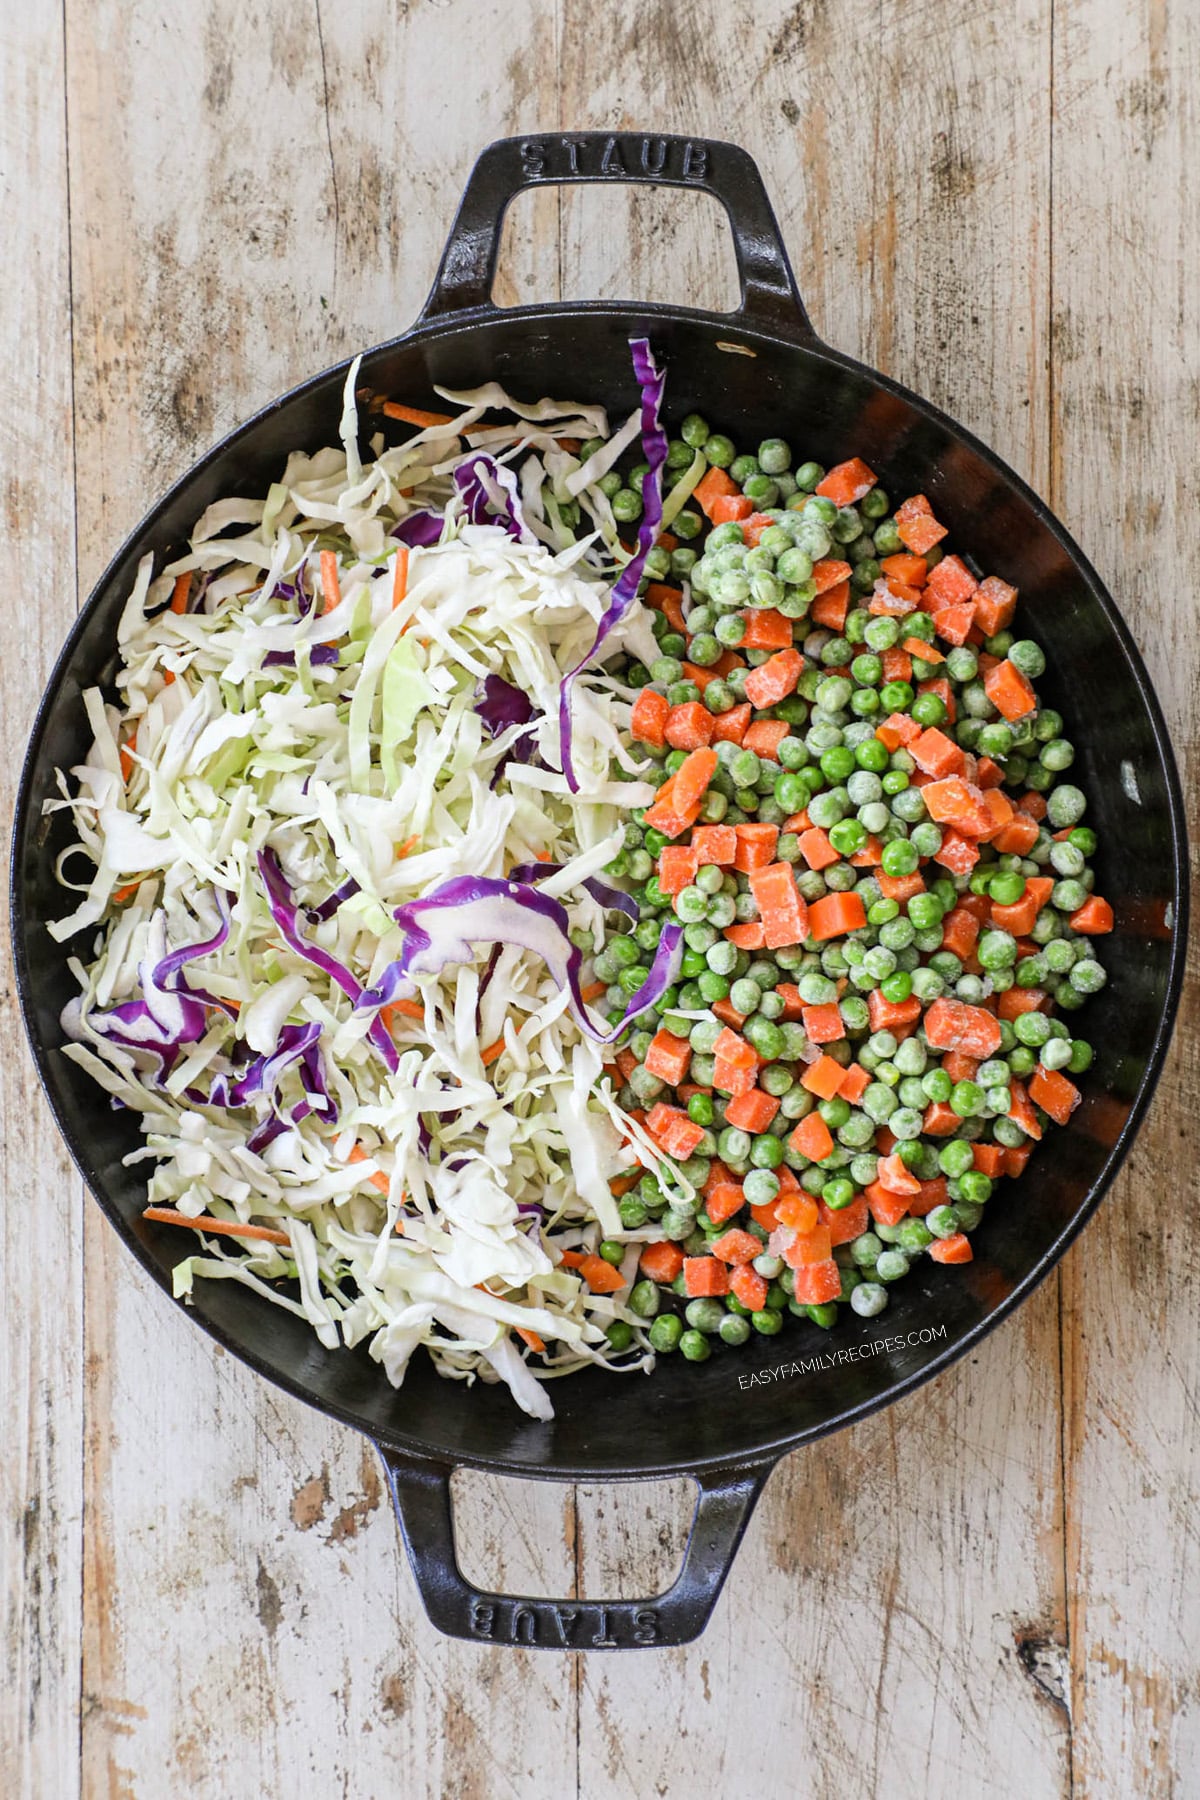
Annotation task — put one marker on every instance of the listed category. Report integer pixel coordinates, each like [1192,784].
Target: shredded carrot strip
[413,415]
[593,990]
[400,579]
[166,1215]
[379,1179]
[488,1056]
[127,762]
[411,1009]
[531,1338]
[168,677]
[330,586]
[542,855]
[408,844]
[179,594]
[122,894]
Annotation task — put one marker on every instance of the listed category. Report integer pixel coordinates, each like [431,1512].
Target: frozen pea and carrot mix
[554,893]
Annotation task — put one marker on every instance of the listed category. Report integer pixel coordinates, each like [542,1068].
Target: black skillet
[757,371]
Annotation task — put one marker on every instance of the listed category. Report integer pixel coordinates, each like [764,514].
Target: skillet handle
[421,1493]
[769,296]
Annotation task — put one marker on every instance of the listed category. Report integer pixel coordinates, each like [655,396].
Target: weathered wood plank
[251,1626]
[880,1598]
[1126,225]
[40,1274]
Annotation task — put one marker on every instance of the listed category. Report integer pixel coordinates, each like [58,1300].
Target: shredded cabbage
[295,783]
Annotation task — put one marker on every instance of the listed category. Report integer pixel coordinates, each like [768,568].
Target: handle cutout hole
[623,1541]
[614,241]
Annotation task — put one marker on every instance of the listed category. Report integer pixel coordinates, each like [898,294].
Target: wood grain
[1126,226]
[250,1622]
[40,1270]
[985,1589]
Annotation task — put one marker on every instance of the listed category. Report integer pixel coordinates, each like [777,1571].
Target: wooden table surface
[989,1588]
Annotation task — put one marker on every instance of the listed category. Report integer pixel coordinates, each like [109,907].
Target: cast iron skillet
[754,372]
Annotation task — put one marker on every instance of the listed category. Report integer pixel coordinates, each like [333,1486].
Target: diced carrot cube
[957,854]
[933,1193]
[995,604]
[715,485]
[766,629]
[831,607]
[823,1078]
[677,866]
[731,508]
[923,652]
[764,738]
[755,846]
[816,848]
[1021,1111]
[754,527]
[893,599]
[749,1286]
[1016,1157]
[887,1208]
[812,1138]
[896,1177]
[953,1025]
[735,1050]
[886,1014]
[824,1024]
[936,754]
[705,1278]
[661,1262]
[828,572]
[817,1283]
[736,1247]
[833,915]
[600,1275]
[911,570]
[847,482]
[845,1223]
[673,1130]
[690,726]
[1008,690]
[897,729]
[951,583]
[752,1111]
[1093,918]
[797,1210]
[940,1120]
[953,623]
[668,1057]
[1017,1000]
[809,1247]
[648,720]
[729,1078]
[989,1159]
[750,935]
[900,887]
[953,1249]
[775,679]
[730,727]
[713,844]
[724,1201]
[793,1006]
[854,1084]
[918,530]
[1050,1089]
